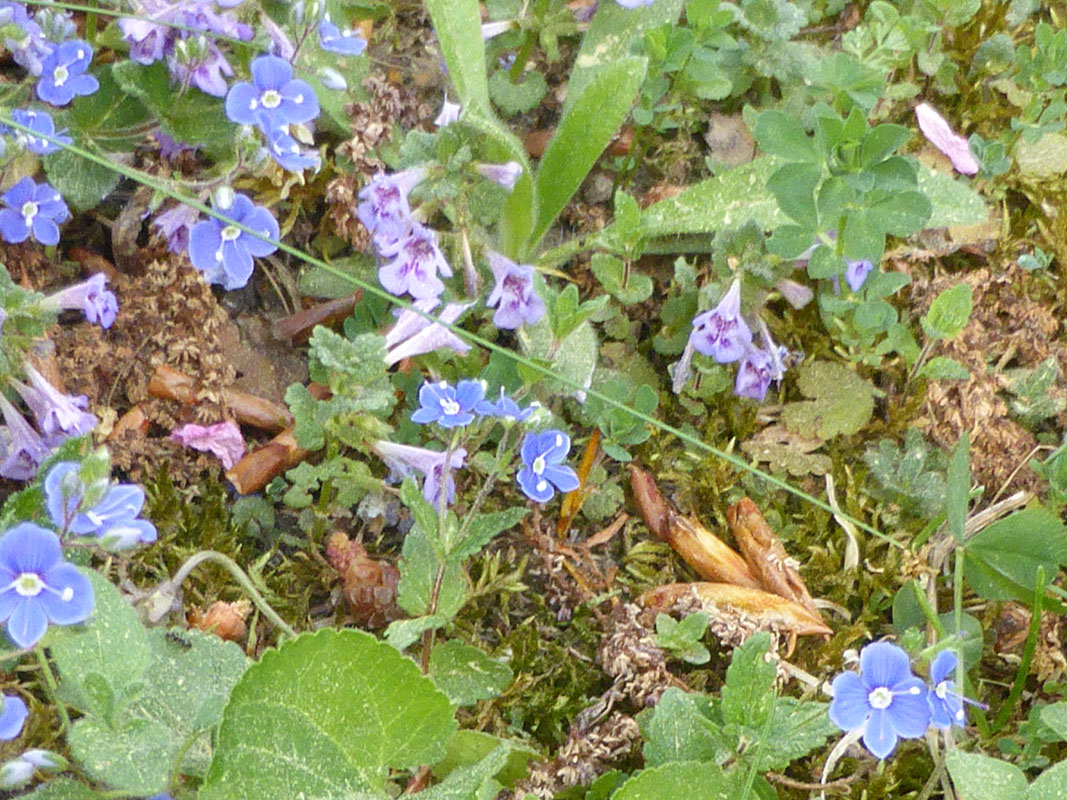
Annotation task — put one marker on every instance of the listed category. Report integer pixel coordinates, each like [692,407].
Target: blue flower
[347,43]
[113,520]
[514,294]
[946,706]
[13,717]
[286,151]
[721,332]
[32,208]
[543,471]
[37,586]
[505,408]
[856,273]
[273,99]
[63,73]
[40,123]
[884,699]
[222,251]
[448,407]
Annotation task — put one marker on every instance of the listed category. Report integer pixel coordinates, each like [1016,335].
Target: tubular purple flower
[13,717]
[514,295]
[796,294]
[503,175]
[37,586]
[634,3]
[23,448]
[416,261]
[59,416]
[146,39]
[754,374]
[402,459]
[90,297]
[940,134]
[280,43]
[492,29]
[29,49]
[223,439]
[449,113]
[414,335]
[721,332]
[856,273]
[383,207]
[175,224]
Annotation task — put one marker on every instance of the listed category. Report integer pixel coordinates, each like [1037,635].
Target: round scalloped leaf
[326,716]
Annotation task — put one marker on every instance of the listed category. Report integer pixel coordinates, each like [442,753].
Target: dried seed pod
[370,588]
[225,620]
[766,556]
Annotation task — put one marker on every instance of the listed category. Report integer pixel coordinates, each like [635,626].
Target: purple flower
[197,61]
[32,208]
[13,717]
[402,459]
[113,520]
[175,224]
[147,39]
[634,3]
[416,261]
[940,134]
[754,374]
[59,416]
[63,73]
[273,99]
[40,123]
[514,295]
[286,151]
[170,148]
[884,699]
[224,439]
[37,586]
[90,296]
[222,251]
[280,43]
[449,113]
[505,408]
[856,273]
[721,332]
[346,43]
[543,471]
[946,706]
[503,175]
[383,203]
[447,406]
[31,48]
[413,334]
[22,447]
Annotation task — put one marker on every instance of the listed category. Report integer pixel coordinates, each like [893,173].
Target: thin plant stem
[1028,655]
[53,689]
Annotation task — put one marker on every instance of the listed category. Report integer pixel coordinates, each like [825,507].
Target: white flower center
[60,75]
[880,697]
[29,211]
[538,465]
[449,407]
[29,584]
[270,99]
[230,233]
[942,690]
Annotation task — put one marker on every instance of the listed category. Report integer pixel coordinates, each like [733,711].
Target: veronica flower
[224,252]
[884,699]
[63,73]
[383,207]
[40,123]
[946,705]
[32,208]
[345,43]
[402,459]
[22,447]
[505,408]
[59,415]
[504,175]
[273,99]
[332,79]
[721,332]
[543,470]
[90,297]
[288,153]
[13,716]
[940,134]
[514,295]
[413,334]
[416,261]
[449,407]
[37,586]
[113,520]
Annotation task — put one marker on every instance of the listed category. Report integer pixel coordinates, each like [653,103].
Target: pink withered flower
[223,439]
[940,134]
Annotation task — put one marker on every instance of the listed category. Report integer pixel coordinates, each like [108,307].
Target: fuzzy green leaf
[458,26]
[748,694]
[483,528]
[1001,561]
[693,780]
[681,729]
[949,312]
[979,777]
[842,402]
[135,758]
[467,674]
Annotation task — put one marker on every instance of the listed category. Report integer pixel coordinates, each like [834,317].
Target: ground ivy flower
[13,716]
[37,586]
[416,261]
[383,203]
[21,446]
[505,408]
[543,470]
[113,520]
[222,251]
[504,175]
[345,43]
[40,123]
[940,134]
[856,273]
[175,224]
[413,334]
[634,3]
[754,374]
[63,73]
[946,706]
[721,332]
[24,38]
[447,406]
[59,416]
[90,297]
[884,699]
[32,208]
[273,99]
[514,295]
[449,113]
[402,459]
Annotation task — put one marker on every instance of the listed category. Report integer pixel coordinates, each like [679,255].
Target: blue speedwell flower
[345,43]
[113,520]
[543,470]
[222,251]
[63,73]
[32,208]
[505,408]
[37,586]
[273,99]
[946,706]
[12,717]
[884,699]
[40,123]
[448,407]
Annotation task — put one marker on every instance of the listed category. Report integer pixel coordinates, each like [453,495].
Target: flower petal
[81,602]
[850,706]
[879,735]
[27,623]
[884,664]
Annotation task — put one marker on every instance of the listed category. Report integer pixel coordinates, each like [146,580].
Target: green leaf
[611,271]
[1055,716]
[681,729]
[882,141]
[949,312]
[953,202]
[135,758]
[458,26]
[1050,784]
[113,645]
[943,368]
[842,401]
[584,131]
[825,263]
[517,98]
[470,747]
[326,716]
[748,694]
[467,674]
[419,569]
[979,777]
[957,497]
[1001,561]
[82,183]
[780,134]
[65,789]
[403,633]
[693,780]
[482,529]
[793,185]
[110,119]
[472,781]
[797,727]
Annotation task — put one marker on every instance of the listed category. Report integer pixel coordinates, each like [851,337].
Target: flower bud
[332,79]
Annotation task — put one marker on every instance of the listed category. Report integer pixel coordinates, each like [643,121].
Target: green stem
[53,689]
[1028,655]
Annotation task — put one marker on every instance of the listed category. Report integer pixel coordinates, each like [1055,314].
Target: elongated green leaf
[583,133]
[458,26]
[1001,561]
[959,487]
